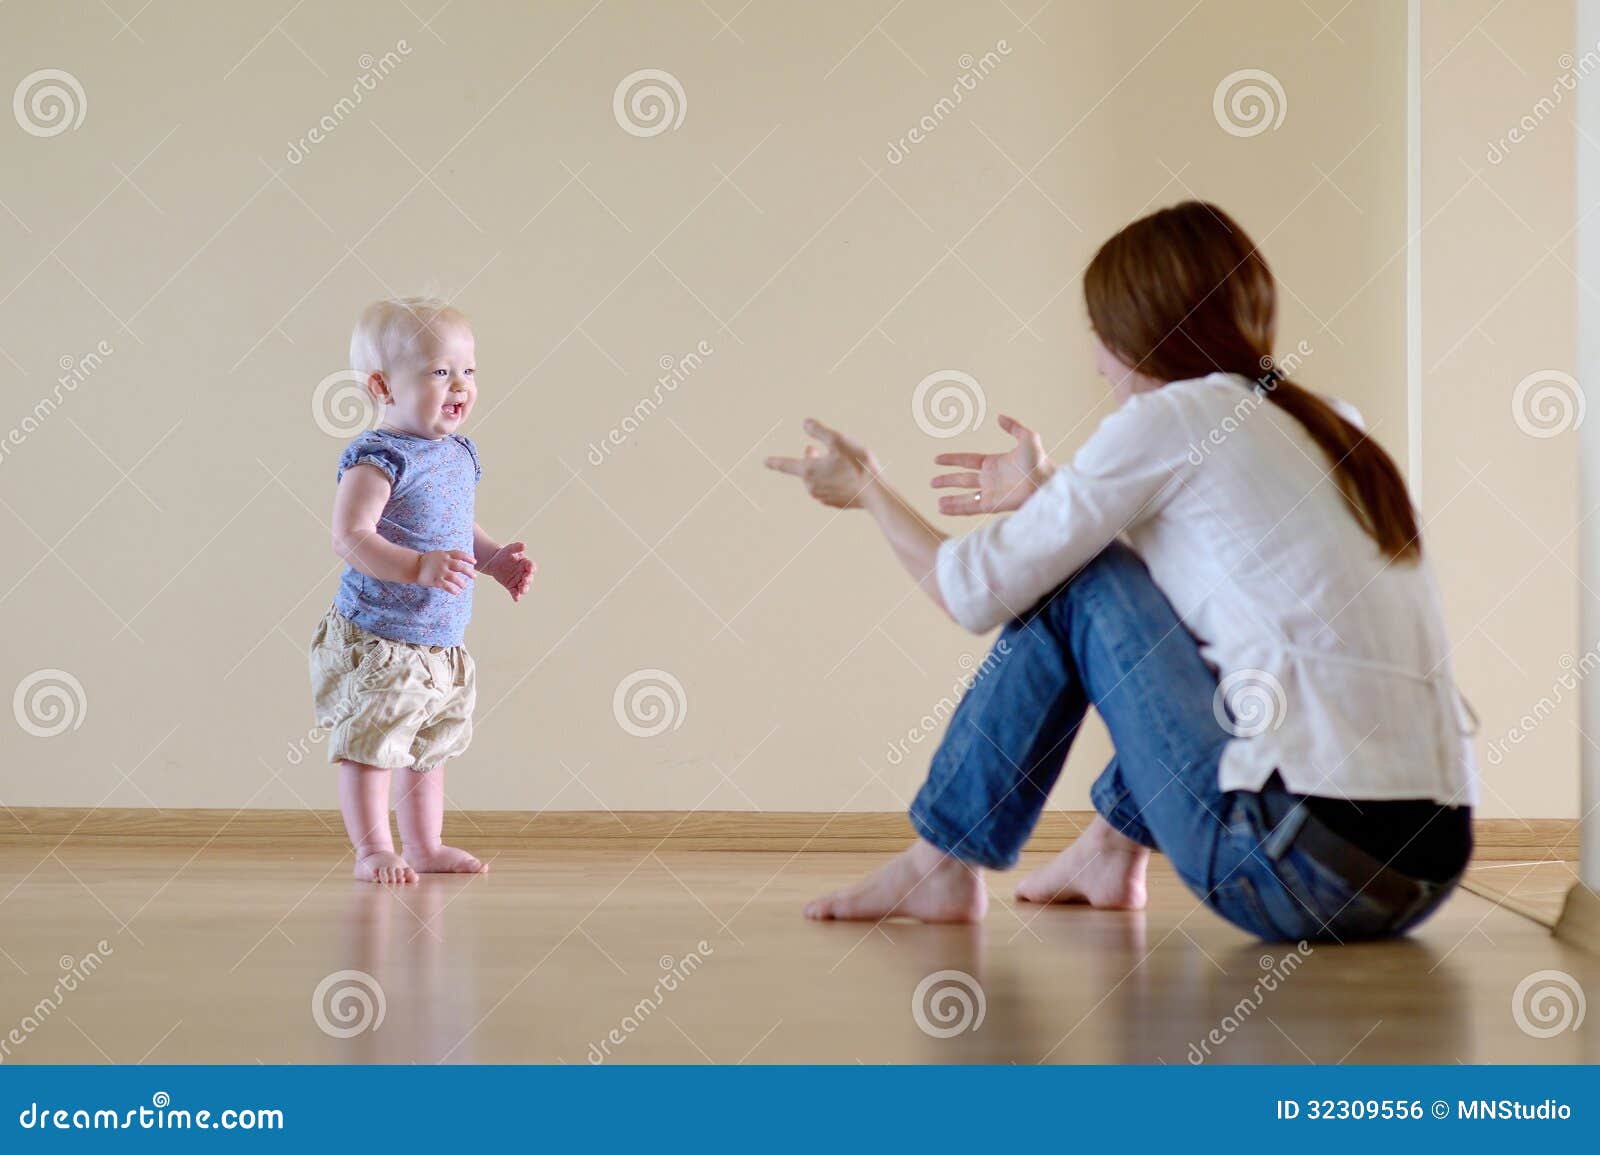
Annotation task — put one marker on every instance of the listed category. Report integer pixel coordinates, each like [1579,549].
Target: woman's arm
[358,504]
[848,476]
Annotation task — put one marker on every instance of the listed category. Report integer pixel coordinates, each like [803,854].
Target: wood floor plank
[215,954]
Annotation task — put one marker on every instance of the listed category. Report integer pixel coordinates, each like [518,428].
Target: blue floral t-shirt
[429,507]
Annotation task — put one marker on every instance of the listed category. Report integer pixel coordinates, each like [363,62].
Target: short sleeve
[370,450]
[472,451]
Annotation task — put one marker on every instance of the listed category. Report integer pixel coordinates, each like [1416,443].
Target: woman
[1231,572]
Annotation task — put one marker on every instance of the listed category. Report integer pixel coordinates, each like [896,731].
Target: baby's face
[432,397]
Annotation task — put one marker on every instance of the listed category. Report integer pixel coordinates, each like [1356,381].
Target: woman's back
[1341,648]
[1333,660]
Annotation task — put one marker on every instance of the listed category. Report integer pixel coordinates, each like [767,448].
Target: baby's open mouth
[452,409]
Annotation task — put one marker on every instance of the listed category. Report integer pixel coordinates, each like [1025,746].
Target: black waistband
[1406,839]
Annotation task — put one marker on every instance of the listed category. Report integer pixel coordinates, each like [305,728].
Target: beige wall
[770,225]
[1499,292]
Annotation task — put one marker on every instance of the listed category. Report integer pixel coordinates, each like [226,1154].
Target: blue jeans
[1109,637]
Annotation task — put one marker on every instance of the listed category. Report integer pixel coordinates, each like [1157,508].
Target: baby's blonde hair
[388,333]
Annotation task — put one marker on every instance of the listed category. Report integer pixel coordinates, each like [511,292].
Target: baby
[389,672]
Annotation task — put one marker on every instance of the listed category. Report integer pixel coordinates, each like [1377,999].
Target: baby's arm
[507,564]
[357,507]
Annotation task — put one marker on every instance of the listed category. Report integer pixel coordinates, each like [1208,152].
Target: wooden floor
[1533,888]
[216,955]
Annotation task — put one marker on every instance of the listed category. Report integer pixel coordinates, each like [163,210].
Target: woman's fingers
[956,481]
[960,460]
[793,465]
[967,503]
[1014,427]
[813,451]
[829,437]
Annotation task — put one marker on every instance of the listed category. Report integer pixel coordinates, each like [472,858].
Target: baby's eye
[446,372]
[470,372]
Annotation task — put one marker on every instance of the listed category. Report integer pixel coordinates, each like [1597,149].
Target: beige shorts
[397,705]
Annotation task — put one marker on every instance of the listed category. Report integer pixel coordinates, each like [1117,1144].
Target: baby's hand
[511,568]
[445,569]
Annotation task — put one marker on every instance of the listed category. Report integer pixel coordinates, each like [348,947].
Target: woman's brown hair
[1183,293]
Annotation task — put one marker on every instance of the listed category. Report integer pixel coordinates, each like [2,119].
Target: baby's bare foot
[444,860]
[384,866]
[921,882]
[1107,877]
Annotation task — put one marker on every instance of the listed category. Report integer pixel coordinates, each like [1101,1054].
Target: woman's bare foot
[383,866]
[1102,868]
[920,882]
[444,860]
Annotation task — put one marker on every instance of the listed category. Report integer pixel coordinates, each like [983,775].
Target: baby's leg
[364,801]
[420,811]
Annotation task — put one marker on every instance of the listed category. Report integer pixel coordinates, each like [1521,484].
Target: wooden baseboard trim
[1579,923]
[1498,839]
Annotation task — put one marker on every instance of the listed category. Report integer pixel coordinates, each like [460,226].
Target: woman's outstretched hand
[838,474]
[1000,481]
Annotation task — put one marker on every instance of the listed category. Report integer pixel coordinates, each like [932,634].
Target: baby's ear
[377,387]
